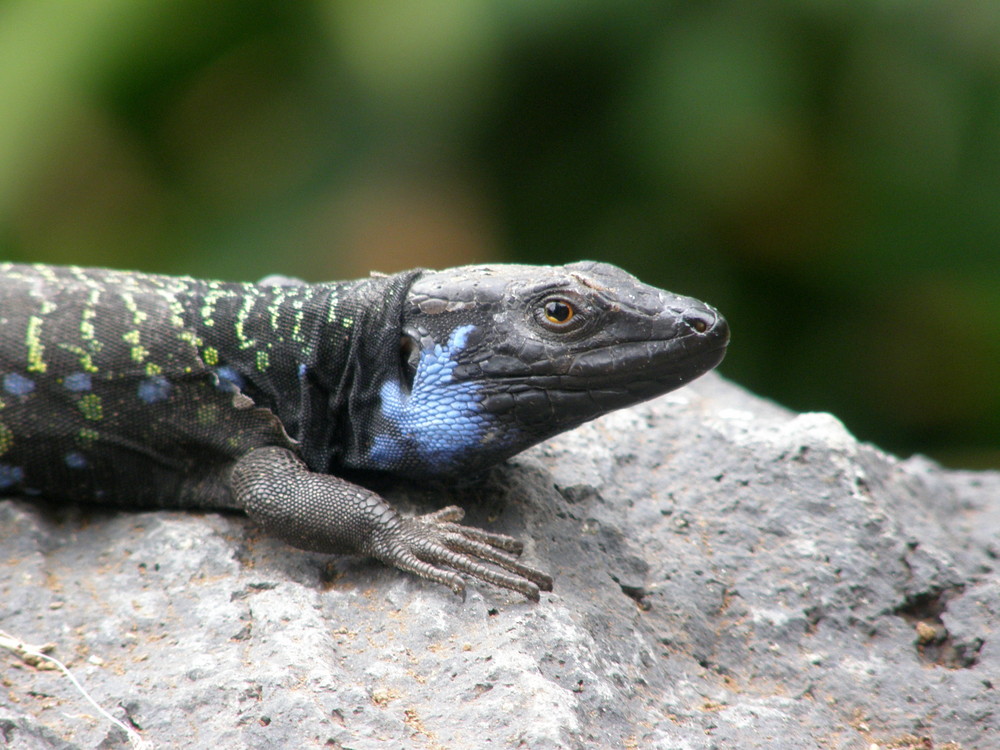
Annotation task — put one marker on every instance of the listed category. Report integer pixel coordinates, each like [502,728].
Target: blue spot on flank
[76,460]
[78,381]
[229,379]
[437,421]
[302,372]
[10,475]
[154,389]
[17,385]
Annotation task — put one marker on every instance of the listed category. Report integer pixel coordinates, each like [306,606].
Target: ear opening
[409,358]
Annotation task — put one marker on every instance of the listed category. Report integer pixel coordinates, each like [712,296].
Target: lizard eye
[558,312]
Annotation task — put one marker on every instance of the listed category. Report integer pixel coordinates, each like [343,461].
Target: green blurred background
[826,172]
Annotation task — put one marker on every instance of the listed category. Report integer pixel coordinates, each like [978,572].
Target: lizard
[154,391]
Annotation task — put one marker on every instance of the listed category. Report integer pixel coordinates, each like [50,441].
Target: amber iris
[558,311]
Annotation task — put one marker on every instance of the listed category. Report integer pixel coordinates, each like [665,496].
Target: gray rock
[728,575]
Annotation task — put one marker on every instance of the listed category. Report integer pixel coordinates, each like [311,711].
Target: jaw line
[664,367]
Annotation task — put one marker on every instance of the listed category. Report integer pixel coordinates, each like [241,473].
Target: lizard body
[158,391]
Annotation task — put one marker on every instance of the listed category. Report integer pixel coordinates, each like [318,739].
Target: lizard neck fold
[358,350]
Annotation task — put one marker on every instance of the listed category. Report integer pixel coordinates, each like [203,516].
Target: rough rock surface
[728,575]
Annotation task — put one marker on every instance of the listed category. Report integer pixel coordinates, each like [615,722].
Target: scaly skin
[147,390]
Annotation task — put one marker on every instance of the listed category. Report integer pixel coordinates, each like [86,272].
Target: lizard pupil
[558,311]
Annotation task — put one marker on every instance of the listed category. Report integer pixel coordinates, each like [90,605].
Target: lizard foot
[436,547]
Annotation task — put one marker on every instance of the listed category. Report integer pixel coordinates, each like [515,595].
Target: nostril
[700,320]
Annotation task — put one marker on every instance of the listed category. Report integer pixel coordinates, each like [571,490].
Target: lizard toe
[441,551]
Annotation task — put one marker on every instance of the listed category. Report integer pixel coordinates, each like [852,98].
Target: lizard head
[494,359]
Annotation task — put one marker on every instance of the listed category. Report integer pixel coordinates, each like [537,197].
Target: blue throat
[431,428]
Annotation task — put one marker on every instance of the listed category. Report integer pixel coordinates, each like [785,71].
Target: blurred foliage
[827,172]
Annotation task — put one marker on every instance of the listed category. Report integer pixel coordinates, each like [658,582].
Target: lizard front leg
[324,513]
